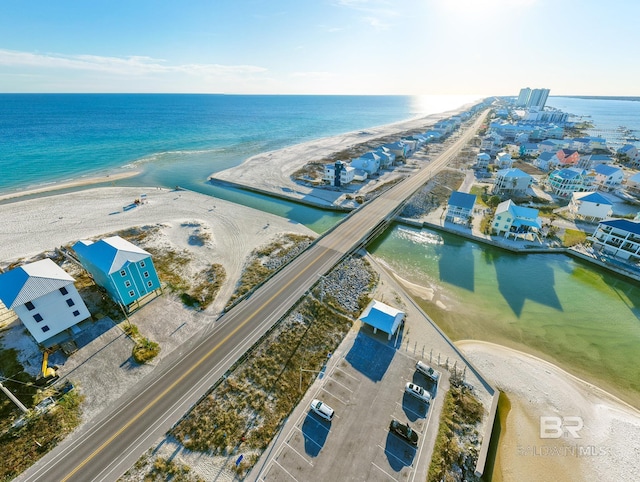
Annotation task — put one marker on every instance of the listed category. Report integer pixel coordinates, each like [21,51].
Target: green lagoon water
[567,311]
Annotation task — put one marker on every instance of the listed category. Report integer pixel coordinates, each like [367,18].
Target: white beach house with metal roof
[44,297]
[619,238]
[590,206]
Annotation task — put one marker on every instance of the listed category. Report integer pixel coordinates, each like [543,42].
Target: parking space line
[303,457]
[341,384]
[336,397]
[347,374]
[412,411]
[383,471]
[288,473]
[318,423]
[395,456]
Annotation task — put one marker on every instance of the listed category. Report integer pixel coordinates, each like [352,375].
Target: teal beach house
[120,267]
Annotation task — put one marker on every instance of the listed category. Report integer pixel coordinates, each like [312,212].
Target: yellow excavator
[48,374]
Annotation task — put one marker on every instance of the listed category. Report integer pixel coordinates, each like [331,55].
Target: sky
[373,47]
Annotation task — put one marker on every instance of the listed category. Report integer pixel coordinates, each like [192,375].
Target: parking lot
[365,387]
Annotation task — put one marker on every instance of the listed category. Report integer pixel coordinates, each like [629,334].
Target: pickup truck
[428,372]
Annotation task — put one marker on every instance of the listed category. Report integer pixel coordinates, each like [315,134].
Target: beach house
[592,160]
[619,238]
[120,267]
[511,182]
[633,183]
[369,162]
[503,160]
[338,174]
[546,161]
[563,182]
[590,206]
[629,154]
[608,178]
[460,207]
[513,221]
[482,160]
[568,157]
[44,297]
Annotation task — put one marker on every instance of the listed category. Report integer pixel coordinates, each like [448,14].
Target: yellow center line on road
[182,377]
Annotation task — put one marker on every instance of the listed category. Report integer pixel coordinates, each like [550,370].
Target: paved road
[108,447]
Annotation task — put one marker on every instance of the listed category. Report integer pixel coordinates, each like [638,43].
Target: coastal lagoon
[566,311]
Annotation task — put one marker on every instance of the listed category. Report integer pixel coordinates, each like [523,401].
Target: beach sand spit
[609,445]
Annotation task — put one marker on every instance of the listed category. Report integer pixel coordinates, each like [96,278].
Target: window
[70,302]
[29,306]
[127,284]
[149,284]
[64,291]
[37,317]
[142,264]
[123,273]
[76,313]
[45,328]
[132,293]
[145,274]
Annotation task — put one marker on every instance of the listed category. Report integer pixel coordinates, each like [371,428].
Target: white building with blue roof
[460,207]
[511,220]
[122,268]
[381,316]
[44,297]
[590,206]
[608,178]
[619,238]
[563,182]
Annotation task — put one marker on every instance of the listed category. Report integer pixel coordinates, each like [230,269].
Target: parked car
[427,371]
[418,392]
[45,405]
[404,431]
[322,409]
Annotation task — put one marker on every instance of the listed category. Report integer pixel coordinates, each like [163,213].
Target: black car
[404,431]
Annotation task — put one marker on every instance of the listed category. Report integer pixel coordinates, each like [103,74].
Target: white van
[322,409]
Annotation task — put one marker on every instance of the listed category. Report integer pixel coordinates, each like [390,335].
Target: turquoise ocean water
[175,139]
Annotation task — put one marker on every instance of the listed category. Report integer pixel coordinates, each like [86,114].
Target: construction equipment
[48,374]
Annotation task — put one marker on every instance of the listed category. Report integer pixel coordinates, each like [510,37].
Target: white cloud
[133,65]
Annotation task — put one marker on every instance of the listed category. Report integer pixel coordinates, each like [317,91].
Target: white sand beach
[271,171]
[75,183]
[33,226]
[609,445]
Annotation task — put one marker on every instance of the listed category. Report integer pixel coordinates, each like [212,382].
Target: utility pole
[13,398]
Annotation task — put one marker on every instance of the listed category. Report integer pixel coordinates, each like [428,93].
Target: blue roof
[110,254]
[624,224]
[593,197]
[462,199]
[382,316]
[545,156]
[606,170]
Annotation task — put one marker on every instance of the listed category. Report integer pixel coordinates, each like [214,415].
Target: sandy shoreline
[76,183]
[271,171]
[609,440]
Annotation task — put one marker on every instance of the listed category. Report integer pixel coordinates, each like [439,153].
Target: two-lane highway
[105,449]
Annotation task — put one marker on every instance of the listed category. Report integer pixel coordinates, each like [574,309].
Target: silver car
[418,392]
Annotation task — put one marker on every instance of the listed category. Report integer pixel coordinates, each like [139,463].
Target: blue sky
[485,47]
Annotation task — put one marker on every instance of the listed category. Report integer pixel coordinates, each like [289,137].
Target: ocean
[173,138]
